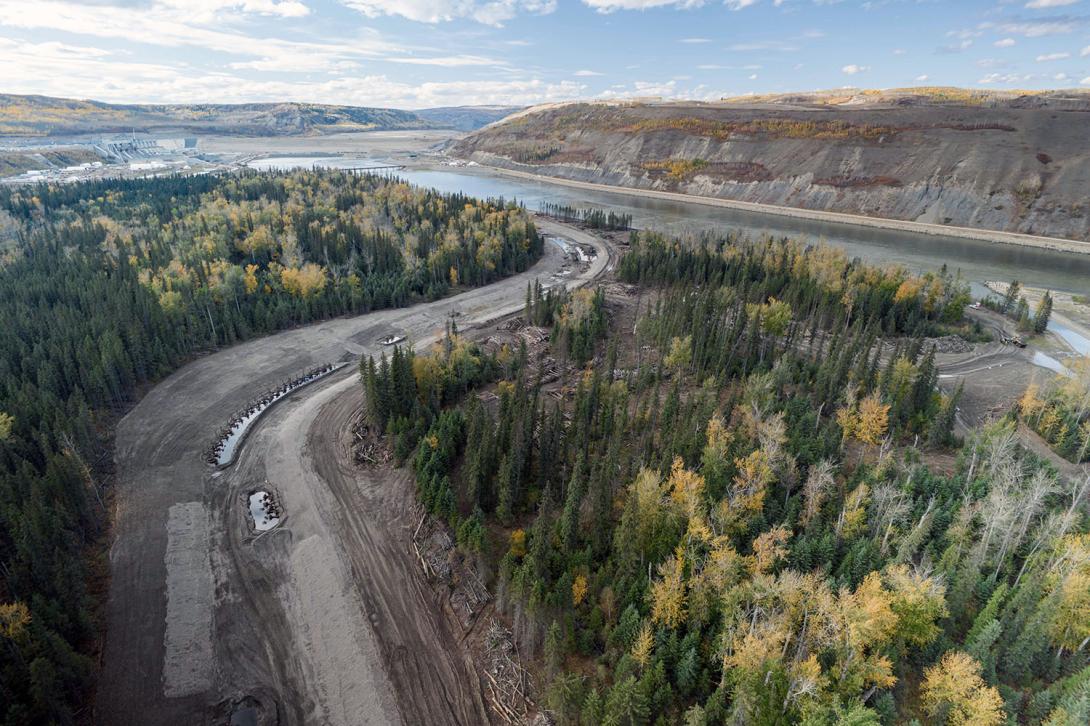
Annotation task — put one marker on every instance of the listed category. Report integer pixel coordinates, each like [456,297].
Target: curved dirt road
[322,620]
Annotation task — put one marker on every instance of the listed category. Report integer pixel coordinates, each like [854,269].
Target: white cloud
[851,69]
[899,51]
[668,89]
[694,41]
[586,74]
[45,69]
[719,67]
[209,10]
[760,45]
[1085,51]
[1052,57]
[958,47]
[295,64]
[1004,78]
[169,23]
[171,26]
[921,79]
[753,77]
[488,12]
[450,61]
[609,6]
[1005,43]
[1037,4]
[1085,81]
[1040,28]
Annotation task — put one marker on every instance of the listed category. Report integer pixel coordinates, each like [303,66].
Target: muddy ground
[319,621]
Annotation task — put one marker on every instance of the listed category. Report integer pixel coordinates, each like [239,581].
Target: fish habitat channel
[224,449]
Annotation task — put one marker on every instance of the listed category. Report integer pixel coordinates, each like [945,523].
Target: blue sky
[421,53]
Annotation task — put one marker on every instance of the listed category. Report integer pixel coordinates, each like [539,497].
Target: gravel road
[322,620]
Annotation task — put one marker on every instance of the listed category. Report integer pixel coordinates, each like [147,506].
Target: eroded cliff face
[1002,167]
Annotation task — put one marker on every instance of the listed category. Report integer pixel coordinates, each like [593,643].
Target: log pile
[508,683]
[437,550]
[948,344]
[621,289]
[368,448]
[469,596]
[534,335]
[550,372]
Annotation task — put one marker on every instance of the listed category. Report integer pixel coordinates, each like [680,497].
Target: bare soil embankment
[318,621]
[986,171]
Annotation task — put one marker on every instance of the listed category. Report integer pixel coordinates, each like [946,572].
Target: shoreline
[1061,314]
[1055,244]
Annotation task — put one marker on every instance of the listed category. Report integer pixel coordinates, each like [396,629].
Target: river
[976,261]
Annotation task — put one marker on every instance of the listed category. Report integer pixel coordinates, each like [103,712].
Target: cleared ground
[321,620]
[326,619]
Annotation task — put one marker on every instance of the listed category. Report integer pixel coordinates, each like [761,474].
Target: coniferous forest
[753,506]
[745,502]
[105,286]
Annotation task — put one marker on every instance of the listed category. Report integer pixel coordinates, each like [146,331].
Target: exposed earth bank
[323,619]
[1015,165]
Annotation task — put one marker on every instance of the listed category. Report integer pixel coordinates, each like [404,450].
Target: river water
[977,261]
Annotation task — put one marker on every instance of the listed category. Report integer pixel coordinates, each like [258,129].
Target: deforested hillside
[1010,163]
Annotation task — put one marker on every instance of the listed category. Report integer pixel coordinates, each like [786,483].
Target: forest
[106,286]
[594,218]
[753,506]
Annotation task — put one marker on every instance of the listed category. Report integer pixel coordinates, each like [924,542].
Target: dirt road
[320,620]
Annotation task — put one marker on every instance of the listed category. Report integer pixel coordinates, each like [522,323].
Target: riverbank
[1055,244]
[1070,319]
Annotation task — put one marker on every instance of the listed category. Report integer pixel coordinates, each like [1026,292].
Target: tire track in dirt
[258,660]
[435,682]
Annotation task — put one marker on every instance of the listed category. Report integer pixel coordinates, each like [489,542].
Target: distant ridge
[466,118]
[46,116]
[1074,98]
[993,160]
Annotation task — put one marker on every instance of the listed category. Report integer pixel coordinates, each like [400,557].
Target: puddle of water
[1077,341]
[225,450]
[265,512]
[1046,361]
[245,716]
[241,426]
[571,248]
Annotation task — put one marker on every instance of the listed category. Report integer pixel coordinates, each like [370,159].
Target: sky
[424,53]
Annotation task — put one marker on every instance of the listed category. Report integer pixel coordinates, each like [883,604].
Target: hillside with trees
[46,116]
[37,116]
[111,285]
[746,504]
